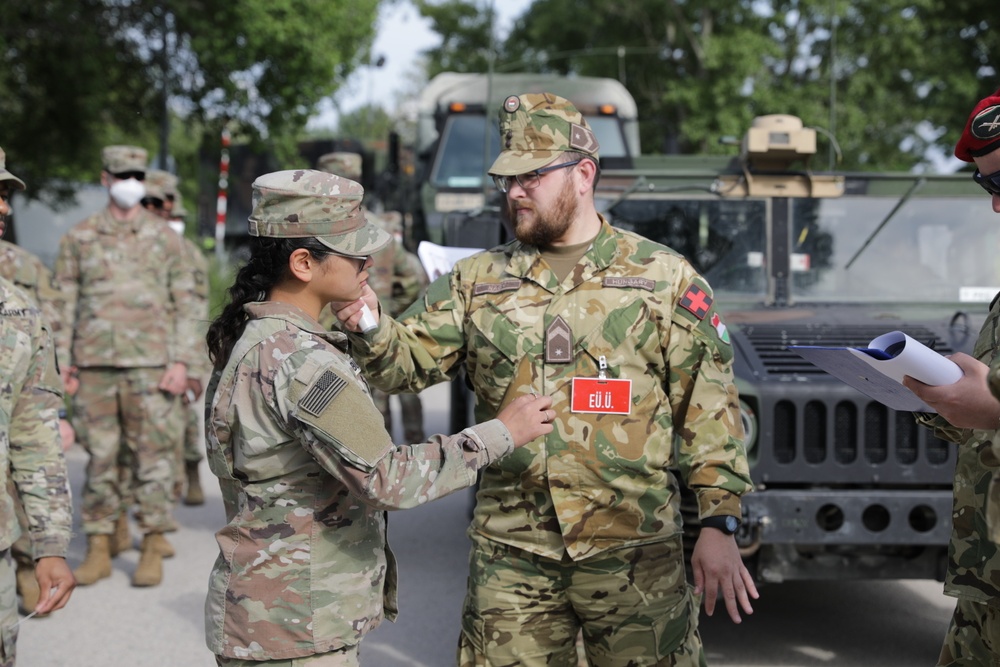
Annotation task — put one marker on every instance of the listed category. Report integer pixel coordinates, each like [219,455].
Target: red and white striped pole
[221,202]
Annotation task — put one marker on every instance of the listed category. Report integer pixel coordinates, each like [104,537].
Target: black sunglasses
[124,175]
[988,182]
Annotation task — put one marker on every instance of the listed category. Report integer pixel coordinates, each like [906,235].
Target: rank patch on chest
[558,342]
[696,301]
[320,394]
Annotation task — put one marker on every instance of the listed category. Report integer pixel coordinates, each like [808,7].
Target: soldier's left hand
[55,581]
[349,312]
[717,565]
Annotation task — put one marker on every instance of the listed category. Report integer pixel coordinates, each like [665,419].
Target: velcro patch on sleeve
[342,414]
[326,388]
[696,301]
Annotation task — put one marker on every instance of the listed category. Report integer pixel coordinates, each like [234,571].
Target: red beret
[982,132]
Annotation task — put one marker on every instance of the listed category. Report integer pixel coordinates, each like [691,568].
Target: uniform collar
[525,259]
[293,315]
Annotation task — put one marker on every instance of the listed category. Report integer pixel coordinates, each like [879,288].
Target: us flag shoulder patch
[322,392]
[696,301]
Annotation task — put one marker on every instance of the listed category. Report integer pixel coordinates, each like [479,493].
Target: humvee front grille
[771,343]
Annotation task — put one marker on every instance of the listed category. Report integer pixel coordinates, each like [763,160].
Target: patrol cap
[535,129]
[341,163]
[982,130]
[122,159]
[6,175]
[163,181]
[300,203]
[155,190]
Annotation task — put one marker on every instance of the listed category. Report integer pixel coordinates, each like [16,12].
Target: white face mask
[177,226]
[127,193]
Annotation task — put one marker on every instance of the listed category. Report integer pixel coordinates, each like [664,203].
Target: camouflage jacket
[196,263]
[30,274]
[30,447]
[306,469]
[129,300]
[598,481]
[973,558]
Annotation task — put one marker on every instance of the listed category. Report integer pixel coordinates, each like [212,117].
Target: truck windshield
[460,163]
[939,249]
[931,249]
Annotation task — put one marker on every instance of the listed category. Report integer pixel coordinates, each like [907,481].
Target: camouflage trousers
[116,408]
[973,638]
[194,433]
[8,609]
[411,410]
[345,657]
[633,606]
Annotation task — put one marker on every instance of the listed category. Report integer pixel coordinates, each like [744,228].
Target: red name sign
[602,396]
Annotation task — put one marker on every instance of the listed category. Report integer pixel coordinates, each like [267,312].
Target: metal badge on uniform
[558,342]
[512,104]
[602,395]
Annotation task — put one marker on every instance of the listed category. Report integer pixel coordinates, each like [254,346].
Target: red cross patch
[696,301]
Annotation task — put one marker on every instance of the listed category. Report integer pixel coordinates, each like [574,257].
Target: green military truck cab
[456,139]
[845,487]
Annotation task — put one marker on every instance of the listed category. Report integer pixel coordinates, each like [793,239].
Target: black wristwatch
[727,524]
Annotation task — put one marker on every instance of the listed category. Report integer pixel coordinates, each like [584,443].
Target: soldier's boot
[194,495]
[97,564]
[162,545]
[121,539]
[150,569]
[27,587]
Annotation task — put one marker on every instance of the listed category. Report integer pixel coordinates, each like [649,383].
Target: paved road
[111,624]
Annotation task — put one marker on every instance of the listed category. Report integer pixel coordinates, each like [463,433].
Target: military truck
[456,138]
[846,487]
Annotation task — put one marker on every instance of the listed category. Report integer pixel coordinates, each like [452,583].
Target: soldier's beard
[543,228]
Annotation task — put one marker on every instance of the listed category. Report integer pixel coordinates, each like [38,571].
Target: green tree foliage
[466,29]
[890,79]
[77,74]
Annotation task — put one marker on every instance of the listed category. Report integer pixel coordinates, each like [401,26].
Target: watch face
[732,524]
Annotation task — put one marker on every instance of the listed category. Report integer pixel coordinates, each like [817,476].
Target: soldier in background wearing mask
[163,198]
[31,458]
[130,310]
[396,277]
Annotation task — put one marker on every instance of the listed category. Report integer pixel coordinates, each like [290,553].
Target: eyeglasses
[532,179]
[988,182]
[125,175]
[361,260]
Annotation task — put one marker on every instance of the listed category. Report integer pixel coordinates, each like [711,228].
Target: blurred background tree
[893,80]
[78,74]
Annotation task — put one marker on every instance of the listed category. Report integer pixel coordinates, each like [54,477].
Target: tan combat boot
[97,564]
[27,587]
[150,569]
[194,495]
[162,545]
[121,540]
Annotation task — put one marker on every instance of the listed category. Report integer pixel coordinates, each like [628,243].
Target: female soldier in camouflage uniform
[305,464]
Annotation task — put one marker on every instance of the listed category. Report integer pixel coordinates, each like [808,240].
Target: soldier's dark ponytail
[267,266]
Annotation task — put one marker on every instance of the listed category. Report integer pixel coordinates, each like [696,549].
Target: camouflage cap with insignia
[6,175]
[535,129]
[982,130]
[122,159]
[163,181]
[305,202]
[341,163]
